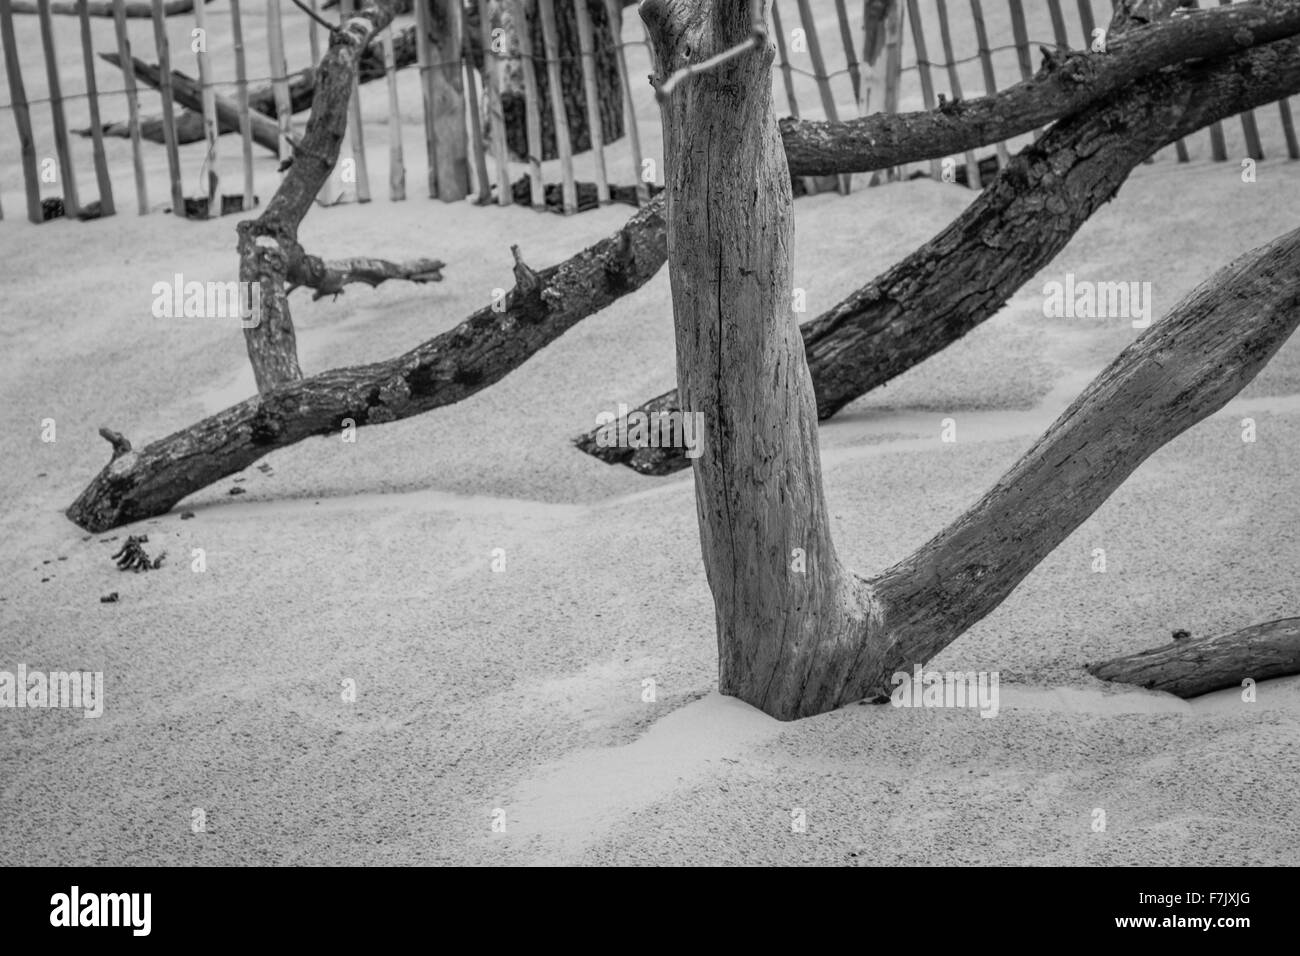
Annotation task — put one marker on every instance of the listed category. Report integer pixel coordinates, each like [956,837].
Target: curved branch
[970,270]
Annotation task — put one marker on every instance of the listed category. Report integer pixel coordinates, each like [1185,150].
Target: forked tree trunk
[798,634]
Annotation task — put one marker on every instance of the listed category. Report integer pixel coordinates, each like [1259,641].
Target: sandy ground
[521,690]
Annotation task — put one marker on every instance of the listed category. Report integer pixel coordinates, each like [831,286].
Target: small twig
[120,445]
[331,27]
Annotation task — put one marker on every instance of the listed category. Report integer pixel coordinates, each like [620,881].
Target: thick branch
[1064,86]
[1181,370]
[135,9]
[477,353]
[268,246]
[969,271]
[1191,668]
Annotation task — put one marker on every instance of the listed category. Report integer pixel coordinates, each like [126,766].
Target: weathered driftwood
[328,277]
[799,633]
[1189,668]
[966,273]
[446,369]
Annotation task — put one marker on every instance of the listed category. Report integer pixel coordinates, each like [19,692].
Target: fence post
[66,173]
[973,179]
[496,115]
[614,13]
[211,131]
[923,67]
[396,167]
[22,115]
[823,81]
[550,37]
[532,110]
[132,105]
[586,46]
[986,65]
[245,118]
[356,132]
[475,121]
[106,205]
[448,97]
[279,81]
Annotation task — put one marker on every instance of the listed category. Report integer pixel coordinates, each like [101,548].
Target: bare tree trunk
[1190,668]
[797,633]
[969,271]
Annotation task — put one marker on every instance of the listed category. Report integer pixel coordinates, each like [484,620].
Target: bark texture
[966,273]
[481,350]
[1190,668]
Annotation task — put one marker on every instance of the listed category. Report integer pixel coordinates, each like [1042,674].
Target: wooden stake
[424,61]
[483,188]
[986,64]
[245,117]
[823,81]
[893,66]
[313,38]
[923,67]
[451,147]
[1254,148]
[1088,21]
[132,106]
[1058,24]
[496,116]
[973,179]
[1288,130]
[586,47]
[614,13]
[61,146]
[356,132]
[279,76]
[396,167]
[550,37]
[850,53]
[532,109]
[22,114]
[210,130]
[1020,31]
[787,76]
[106,206]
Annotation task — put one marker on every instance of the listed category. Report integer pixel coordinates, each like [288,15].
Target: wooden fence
[832,62]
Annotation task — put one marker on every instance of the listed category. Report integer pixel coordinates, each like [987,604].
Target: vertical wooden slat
[451,146]
[586,47]
[893,66]
[973,179]
[1288,130]
[923,67]
[209,101]
[163,51]
[787,76]
[106,206]
[132,105]
[614,13]
[61,146]
[1058,24]
[279,79]
[356,132]
[986,65]
[1254,148]
[1020,33]
[550,37]
[396,167]
[1088,22]
[477,147]
[22,113]
[424,62]
[496,115]
[241,92]
[850,54]
[532,108]
[313,38]
[819,68]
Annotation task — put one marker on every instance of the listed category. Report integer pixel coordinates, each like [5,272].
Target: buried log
[446,369]
[1189,668]
[1018,224]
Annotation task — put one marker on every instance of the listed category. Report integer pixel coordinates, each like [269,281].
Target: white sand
[522,690]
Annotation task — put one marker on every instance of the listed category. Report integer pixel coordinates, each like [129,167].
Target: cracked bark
[799,639]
